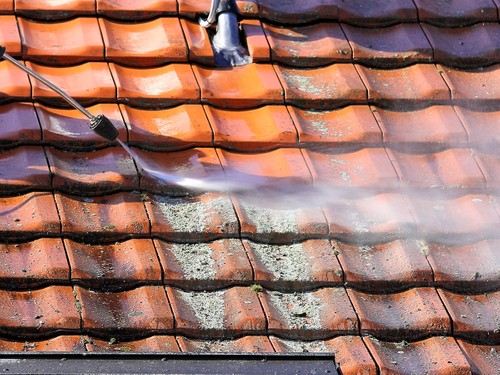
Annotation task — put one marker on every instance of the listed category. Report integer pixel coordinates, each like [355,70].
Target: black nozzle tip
[228,6]
[2,51]
[103,127]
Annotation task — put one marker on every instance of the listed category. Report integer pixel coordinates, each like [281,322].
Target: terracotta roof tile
[19,125]
[151,344]
[258,46]
[482,358]
[481,127]
[136,9]
[376,12]
[192,8]
[9,35]
[14,83]
[50,10]
[302,11]
[455,14]
[57,344]
[247,344]
[6,7]
[198,43]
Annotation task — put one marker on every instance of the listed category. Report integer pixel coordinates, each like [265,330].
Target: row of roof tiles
[312,264]
[358,12]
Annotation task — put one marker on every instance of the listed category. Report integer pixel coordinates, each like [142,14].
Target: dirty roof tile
[240,87]
[192,219]
[475,317]
[350,127]
[87,83]
[323,313]
[393,46]
[204,266]
[43,311]
[194,8]
[409,315]
[92,173]
[14,83]
[350,352]
[456,13]
[482,127]
[322,88]
[258,46]
[118,216]
[490,166]
[370,13]
[118,265]
[150,43]
[431,129]
[467,267]
[453,169]
[198,42]
[387,267]
[136,312]
[131,10]
[151,344]
[30,215]
[62,43]
[19,125]
[160,87]
[57,344]
[466,47]
[50,10]
[33,264]
[305,265]
[226,313]
[260,129]
[69,129]
[247,344]
[298,11]
[416,85]
[307,46]
[484,359]
[9,35]
[436,355]
[23,169]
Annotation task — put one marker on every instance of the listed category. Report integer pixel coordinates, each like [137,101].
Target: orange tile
[475,317]
[371,13]
[350,352]
[118,216]
[398,45]
[256,41]
[86,83]
[54,10]
[483,359]
[350,127]
[119,265]
[455,14]
[369,168]
[470,217]
[315,315]
[482,127]
[151,43]
[247,344]
[416,84]
[38,312]
[14,83]
[300,11]
[136,9]
[305,265]
[62,43]
[138,312]
[6,7]
[436,355]
[57,344]
[198,42]
[239,87]
[192,219]
[156,87]
[69,129]
[9,35]
[193,8]
[22,169]
[261,129]
[19,125]
[468,268]
[322,88]
[453,169]
[29,215]
[432,129]
[409,315]
[33,264]
[382,217]
[307,46]
[489,163]
[172,129]
[195,163]
[151,344]
[93,173]
[204,266]
[387,267]
[226,313]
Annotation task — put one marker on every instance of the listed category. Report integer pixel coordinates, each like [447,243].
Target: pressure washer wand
[99,124]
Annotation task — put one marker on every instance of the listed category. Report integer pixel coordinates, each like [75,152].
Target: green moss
[144,197]
[112,341]
[109,227]
[256,288]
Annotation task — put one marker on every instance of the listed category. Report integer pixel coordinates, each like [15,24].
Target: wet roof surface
[373,125]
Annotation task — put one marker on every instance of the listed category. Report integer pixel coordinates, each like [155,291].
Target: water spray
[99,124]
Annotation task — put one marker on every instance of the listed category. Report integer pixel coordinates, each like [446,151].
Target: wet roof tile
[54,10]
[370,13]
[9,35]
[14,83]
[6,7]
[258,46]
[194,8]
[198,43]
[136,9]
[455,14]
[19,125]
[302,11]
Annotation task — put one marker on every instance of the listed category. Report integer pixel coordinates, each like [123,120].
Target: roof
[373,125]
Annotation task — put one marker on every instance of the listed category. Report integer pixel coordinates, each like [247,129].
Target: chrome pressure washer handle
[100,124]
